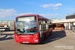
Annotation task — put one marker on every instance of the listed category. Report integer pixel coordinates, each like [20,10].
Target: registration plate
[25,42]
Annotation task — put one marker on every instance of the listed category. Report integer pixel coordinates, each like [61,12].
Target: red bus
[31,28]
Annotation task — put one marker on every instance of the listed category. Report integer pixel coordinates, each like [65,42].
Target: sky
[59,9]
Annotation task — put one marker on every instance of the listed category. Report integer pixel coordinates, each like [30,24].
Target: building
[70,16]
[72,24]
[7,25]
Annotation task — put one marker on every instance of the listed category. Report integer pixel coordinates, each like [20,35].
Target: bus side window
[47,26]
[50,27]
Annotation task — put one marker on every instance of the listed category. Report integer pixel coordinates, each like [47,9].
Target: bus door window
[40,30]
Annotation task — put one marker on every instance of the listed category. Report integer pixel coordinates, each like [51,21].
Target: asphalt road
[59,40]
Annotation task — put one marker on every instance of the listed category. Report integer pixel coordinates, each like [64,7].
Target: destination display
[32,18]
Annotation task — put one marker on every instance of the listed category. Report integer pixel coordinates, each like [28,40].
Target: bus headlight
[36,40]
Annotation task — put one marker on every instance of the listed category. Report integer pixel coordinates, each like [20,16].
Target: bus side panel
[46,32]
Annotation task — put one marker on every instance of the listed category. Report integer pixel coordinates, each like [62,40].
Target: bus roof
[27,15]
[40,17]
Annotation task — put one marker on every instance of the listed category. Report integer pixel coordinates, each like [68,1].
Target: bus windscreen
[26,25]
